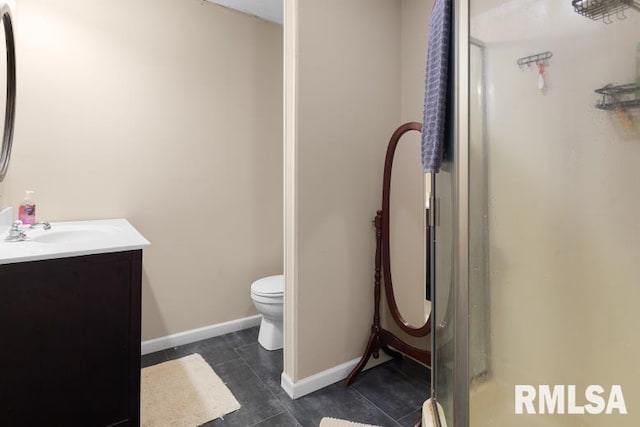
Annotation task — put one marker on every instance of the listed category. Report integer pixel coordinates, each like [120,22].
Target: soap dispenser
[27,211]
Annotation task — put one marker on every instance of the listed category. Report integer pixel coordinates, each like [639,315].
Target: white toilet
[268,297]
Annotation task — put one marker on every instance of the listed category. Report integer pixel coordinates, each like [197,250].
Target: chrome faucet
[45,225]
[17,231]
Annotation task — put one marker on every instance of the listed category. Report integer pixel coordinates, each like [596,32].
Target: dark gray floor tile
[216,350]
[267,365]
[388,388]
[338,402]
[411,419]
[280,394]
[246,336]
[389,395]
[412,369]
[282,420]
[153,359]
[257,403]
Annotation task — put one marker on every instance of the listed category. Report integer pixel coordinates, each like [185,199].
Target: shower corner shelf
[605,9]
[619,97]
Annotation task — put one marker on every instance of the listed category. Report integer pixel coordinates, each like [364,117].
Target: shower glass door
[545,274]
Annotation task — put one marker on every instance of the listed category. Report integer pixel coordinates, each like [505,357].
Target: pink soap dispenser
[27,211]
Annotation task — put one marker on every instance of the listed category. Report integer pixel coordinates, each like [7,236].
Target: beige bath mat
[183,393]
[335,422]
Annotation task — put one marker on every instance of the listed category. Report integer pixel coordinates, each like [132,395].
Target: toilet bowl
[268,297]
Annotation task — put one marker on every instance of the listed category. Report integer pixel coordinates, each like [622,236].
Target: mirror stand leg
[392,353]
[373,347]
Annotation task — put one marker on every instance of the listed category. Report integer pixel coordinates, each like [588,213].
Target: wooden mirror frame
[416,331]
[381,338]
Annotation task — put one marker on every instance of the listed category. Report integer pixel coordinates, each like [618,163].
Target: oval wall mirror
[410,317]
[407,230]
[7,88]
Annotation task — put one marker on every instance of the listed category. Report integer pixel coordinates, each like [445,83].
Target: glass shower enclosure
[537,225]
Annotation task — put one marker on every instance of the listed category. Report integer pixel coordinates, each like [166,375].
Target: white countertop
[72,238]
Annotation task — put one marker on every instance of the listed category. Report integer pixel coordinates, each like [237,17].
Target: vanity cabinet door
[71,341]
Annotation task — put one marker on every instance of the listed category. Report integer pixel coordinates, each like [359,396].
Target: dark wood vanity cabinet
[70,341]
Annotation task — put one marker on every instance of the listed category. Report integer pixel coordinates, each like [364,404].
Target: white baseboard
[199,334]
[325,378]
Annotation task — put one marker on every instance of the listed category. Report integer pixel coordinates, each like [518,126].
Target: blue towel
[435,88]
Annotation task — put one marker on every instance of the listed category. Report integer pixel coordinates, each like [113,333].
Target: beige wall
[168,113]
[413,56]
[563,211]
[3,201]
[348,83]
[408,239]
[290,207]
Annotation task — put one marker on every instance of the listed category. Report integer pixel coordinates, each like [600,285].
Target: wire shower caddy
[605,10]
[621,97]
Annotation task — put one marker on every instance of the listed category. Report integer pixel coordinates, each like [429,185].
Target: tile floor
[387,395]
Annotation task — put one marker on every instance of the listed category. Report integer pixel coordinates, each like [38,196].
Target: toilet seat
[272,286]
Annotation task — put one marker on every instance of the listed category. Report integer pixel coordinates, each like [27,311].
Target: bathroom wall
[408,192]
[348,83]
[3,200]
[413,56]
[168,113]
[563,212]
[347,86]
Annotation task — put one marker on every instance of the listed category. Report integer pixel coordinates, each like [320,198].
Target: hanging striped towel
[435,88]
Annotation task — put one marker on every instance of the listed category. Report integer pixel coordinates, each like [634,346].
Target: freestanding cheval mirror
[8,100]
[380,337]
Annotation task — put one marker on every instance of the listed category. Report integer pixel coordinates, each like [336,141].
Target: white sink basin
[67,239]
[64,234]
